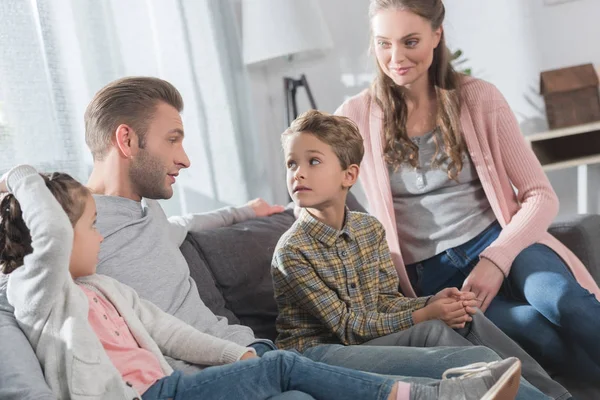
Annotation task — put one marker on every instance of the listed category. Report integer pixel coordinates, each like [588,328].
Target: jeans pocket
[460,260]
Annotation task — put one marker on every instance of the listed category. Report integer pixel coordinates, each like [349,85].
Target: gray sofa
[231,266]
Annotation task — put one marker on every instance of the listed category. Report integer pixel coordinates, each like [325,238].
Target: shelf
[571,130]
[571,163]
[567,147]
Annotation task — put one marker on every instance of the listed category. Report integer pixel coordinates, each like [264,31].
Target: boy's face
[315,178]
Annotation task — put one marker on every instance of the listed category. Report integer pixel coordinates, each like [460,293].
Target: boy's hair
[130,101]
[339,132]
[15,239]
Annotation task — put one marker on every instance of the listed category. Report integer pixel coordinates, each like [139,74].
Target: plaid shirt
[337,286]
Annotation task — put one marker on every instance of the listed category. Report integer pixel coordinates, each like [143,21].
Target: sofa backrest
[231,267]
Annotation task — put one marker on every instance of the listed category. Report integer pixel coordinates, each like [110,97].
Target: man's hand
[263,209]
[485,281]
[248,355]
[449,310]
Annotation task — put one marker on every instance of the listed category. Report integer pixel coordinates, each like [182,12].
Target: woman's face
[404,43]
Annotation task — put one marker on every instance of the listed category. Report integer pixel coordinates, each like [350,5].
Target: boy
[333,275]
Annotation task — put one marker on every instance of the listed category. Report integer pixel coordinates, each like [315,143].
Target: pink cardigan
[502,159]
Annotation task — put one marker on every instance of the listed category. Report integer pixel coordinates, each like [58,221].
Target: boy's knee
[432,327]
[437,333]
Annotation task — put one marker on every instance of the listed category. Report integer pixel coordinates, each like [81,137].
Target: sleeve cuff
[234,352]
[246,213]
[17,173]
[498,258]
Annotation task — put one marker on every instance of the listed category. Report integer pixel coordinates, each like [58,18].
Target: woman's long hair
[390,97]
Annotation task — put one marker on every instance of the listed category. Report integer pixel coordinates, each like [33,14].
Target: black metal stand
[291,86]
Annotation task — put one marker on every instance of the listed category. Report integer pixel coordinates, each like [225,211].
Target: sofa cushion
[581,233]
[202,275]
[239,260]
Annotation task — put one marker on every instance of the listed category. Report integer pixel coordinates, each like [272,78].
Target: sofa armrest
[581,234]
[21,376]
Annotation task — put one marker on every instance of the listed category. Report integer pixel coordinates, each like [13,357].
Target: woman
[442,154]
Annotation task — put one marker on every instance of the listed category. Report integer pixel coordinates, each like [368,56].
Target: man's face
[155,166]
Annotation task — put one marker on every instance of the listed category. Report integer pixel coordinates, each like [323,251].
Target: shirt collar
[323,232]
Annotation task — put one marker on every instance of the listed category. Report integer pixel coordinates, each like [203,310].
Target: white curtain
[55,54]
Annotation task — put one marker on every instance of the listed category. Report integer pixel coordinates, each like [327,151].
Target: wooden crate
[571,96]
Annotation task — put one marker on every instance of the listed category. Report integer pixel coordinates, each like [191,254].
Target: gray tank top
[433,212]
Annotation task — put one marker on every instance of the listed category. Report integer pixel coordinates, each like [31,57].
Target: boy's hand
[449,310]
[448,293]
[470,302]
[468,299]
[248,355]
[263,209]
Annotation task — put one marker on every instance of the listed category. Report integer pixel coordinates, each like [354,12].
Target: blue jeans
[275,373]
[540,305]
[421,365]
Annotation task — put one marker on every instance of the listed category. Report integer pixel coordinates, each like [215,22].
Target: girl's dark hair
[398,148]
[15,239]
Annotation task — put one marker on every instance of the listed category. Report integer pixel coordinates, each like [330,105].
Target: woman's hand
[485,281]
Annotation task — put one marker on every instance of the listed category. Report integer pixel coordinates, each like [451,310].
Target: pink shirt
[503,160]
[137,366]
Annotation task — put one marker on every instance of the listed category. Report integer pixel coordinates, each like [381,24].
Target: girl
[95,338]
[443,153]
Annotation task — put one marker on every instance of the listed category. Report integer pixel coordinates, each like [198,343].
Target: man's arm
[227,216]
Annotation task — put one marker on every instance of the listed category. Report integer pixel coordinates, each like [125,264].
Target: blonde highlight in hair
[398,148]
[341,133]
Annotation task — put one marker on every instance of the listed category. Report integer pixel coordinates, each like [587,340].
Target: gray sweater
[53,311]
[141,250]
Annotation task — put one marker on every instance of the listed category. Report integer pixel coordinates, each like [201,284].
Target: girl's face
[404,43]
[86,242]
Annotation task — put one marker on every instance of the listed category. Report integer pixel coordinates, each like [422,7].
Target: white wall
[510,42]
[340,72]
[507,42]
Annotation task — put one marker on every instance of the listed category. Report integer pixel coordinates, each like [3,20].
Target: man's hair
[131,101]
[339,132]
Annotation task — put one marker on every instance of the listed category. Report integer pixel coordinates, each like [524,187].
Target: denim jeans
[415,352]
[275,373]
[540,305]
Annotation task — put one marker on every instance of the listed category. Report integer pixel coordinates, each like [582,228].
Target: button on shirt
[138,367]
[337,286]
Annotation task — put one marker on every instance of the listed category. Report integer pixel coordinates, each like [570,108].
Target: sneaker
[498,380]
